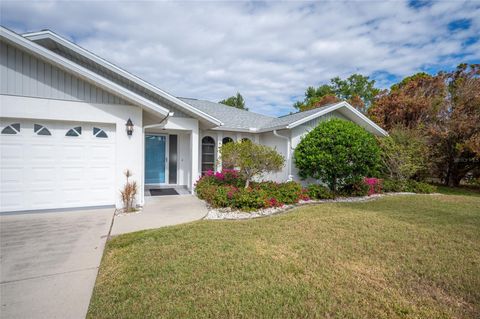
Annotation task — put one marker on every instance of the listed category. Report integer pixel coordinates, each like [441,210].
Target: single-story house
[72,123]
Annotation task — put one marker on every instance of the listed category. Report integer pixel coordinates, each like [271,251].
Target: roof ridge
[235,109]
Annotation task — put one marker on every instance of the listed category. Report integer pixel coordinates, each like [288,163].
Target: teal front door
[155,159]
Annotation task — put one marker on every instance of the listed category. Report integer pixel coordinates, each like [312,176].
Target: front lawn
[398,257]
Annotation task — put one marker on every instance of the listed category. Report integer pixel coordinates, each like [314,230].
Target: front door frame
[167,158]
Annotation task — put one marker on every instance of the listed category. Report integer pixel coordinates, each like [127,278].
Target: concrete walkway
[49,262]
[159,212]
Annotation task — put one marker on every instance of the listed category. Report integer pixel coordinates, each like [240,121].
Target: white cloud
[270,52]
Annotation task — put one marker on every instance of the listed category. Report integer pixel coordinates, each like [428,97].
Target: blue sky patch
[460,24]
[418,4]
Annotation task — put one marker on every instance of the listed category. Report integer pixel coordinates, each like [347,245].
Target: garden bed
[228,197]
[235,214]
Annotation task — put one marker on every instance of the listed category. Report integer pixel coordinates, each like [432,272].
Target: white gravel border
[231,214]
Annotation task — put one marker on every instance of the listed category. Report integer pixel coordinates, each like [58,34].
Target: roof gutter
[170,114]
[289,153]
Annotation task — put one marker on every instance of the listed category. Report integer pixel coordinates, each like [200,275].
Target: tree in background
[357,89]
[413,102]
[405,154]
[337,153]
[252,160]
[446,107]
[235,101]
[455,131]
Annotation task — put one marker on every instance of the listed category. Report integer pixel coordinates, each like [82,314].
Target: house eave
[337,106]
[55,59]
[47,34]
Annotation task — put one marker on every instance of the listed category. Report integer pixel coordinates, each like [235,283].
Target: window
[245,139]
[41,130]
[76,131]
[12,129]
[98,132]
[208,154]
[227,140]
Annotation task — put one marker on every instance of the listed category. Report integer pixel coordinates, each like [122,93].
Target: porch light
[129,126]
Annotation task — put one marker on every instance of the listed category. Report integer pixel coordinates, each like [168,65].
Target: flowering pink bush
[226,189]
[374,185]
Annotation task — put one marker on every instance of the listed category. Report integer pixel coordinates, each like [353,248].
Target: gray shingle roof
[230,116]
[291,118]
[239,119]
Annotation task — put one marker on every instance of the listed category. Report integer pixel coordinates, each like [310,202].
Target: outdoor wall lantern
[129,126]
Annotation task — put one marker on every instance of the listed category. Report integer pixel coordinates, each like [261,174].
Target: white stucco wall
[128,149]
[184,160]
[280,144]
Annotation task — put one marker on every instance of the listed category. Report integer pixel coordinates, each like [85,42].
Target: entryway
[159,212]
[155,159]
[166,190]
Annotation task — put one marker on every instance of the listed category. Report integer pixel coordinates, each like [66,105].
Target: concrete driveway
[49,262]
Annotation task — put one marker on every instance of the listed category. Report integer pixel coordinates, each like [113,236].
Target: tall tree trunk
[454,176]
[334,187]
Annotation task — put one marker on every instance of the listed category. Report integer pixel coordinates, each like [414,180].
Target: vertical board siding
[314,123]
[119,80]
[25,75]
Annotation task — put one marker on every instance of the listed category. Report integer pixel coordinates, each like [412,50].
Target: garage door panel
[42,198]
[73,175]
[39,152]
[11,176]
[73,153]
[12,200]
[10,151]
[56,171]
[42,177]
[74,196]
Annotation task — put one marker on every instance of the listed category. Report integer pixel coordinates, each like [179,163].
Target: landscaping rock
[230,214]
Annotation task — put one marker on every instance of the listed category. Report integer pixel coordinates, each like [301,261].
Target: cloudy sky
[268,51]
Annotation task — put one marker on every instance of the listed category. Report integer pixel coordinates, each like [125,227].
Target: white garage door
[50,164]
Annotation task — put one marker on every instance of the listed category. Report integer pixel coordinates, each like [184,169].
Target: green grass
[397,257]
[462,190]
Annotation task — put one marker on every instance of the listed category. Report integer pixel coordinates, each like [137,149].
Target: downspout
[289,153]
[143,151]
[159,123]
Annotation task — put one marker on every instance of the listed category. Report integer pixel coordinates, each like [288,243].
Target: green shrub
[357,188]
[285,193]
[252,160]
[316,191]
[223,190]
[248,199]
[411,186]
[394,186]
[421,187]
[404,154]
[337,153]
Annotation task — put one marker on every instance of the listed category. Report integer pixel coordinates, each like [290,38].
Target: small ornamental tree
[251,159]
[337,153]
